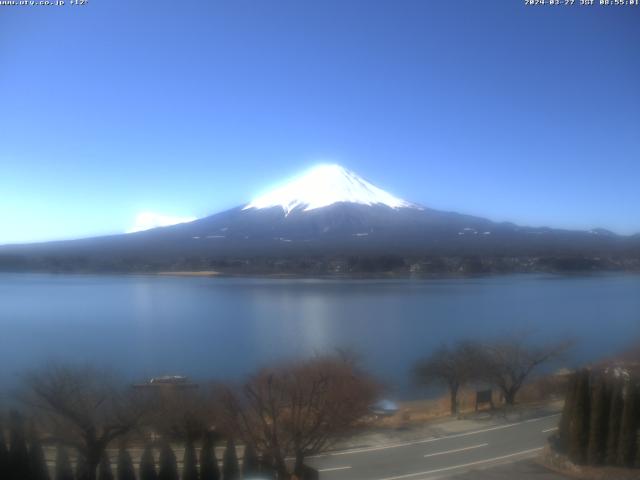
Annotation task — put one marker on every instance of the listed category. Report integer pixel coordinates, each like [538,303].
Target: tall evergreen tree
[266,466]
[250,462]
[598,423]
[104,469]
[209,469]
[38,469]
[18,451]
[63,465]
[126,470]
[82,468]
[168,465]
[629,426]
[579,423]
[615,417]
[4,456]
[567,413]
[189,462]
[148,465]
[230,469]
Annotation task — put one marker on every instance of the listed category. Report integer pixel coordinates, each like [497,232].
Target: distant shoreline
[379,276]
[341,276]
[194,273]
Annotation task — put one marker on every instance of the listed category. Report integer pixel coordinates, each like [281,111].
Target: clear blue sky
[528,114]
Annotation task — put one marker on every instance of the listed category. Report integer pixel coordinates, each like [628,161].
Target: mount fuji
[330,220]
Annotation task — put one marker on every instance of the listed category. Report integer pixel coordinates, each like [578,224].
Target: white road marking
[549,429]
[334,469]
[463,465]
[456,450]
[429,440]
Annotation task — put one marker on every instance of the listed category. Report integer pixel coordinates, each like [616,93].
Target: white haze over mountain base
[149,220]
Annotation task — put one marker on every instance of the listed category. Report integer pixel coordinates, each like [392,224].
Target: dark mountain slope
[238,237]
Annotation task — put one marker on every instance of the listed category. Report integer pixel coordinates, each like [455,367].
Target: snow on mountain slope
[325,185]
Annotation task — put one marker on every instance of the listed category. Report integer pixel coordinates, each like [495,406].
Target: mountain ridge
[330,221]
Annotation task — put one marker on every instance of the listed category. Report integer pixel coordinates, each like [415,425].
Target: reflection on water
[225,328]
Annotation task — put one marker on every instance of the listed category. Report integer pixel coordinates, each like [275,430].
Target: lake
[224,328]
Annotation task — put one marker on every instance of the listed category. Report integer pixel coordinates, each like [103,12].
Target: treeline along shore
[334,266]
[69,422]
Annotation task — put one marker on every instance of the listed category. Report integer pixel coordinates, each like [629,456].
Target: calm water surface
[224,328]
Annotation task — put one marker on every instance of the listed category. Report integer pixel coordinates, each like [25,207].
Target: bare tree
[82,407]
[300,409]
[183,413]
[508,362]
[450,366]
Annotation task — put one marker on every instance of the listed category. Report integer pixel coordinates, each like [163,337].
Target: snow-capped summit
[325,185]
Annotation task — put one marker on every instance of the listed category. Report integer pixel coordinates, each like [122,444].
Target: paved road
[521,470]
[439,457]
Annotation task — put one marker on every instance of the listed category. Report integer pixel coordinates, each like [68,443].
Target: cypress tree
[250,463]
[230,469]
[598,423]
[567,412]
[125,466]
[4,456]
[209,469]
[266,467]
[63,466]
[189,462]
[615,417]
[82,469]
[579,422]
[148,465]
[168,465]
[18,452]
[104,469]
[38,469]
[629,426]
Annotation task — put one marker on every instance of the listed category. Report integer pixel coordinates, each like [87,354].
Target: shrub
[230,470]
[266,467]
[579,422]
[628,426]
[125,466]
[208,462]
[148,465]
[567,412]
[168,465]
[104,468]
[63,466]
[18,459]
[615,417]
[37,464]
[4,456]
[250,463]
[82,469]
[189,462]
[598,423]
